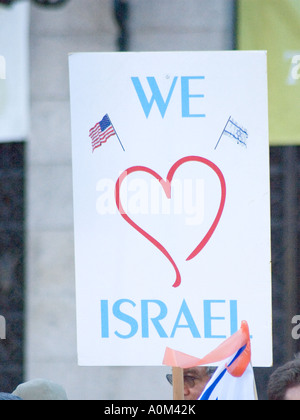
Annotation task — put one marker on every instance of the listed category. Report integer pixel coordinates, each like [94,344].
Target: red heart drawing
[166,185]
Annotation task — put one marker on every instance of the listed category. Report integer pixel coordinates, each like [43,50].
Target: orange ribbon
[228,348]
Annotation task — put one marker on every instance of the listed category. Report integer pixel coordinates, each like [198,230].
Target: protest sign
[14,72]
[2,68]
[171,202]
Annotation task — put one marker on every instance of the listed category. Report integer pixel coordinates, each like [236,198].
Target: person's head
[40,390]
[195,381]
[284,383]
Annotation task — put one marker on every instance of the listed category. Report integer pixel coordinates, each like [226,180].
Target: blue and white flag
[236,132]
[224,386]
[234,379]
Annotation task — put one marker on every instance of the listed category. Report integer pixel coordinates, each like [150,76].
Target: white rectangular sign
[14,72]
[172,204]
[2,68]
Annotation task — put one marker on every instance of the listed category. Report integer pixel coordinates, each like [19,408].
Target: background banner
[172,204]
[274,25]
[14,72]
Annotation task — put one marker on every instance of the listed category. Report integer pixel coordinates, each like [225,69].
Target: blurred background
[37,281]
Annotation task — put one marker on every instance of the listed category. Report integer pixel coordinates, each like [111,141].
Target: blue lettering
[153,315]
[156,320]
[184,310]
[104,319]
[233,316]
[186,97]
[208,318]
[125,318]
[156,95]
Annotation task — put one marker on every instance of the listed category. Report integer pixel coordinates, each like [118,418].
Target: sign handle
[178,384]
[255,388]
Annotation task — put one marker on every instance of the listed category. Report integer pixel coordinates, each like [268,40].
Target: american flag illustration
[102,131]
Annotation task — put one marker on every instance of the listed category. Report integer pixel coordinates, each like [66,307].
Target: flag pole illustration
[234,379]
[102,131]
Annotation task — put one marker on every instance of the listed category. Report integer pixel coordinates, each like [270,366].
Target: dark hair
[284,378]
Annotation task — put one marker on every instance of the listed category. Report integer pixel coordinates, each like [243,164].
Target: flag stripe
[103,135]
[102,139]
[99,143]
[96,125]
